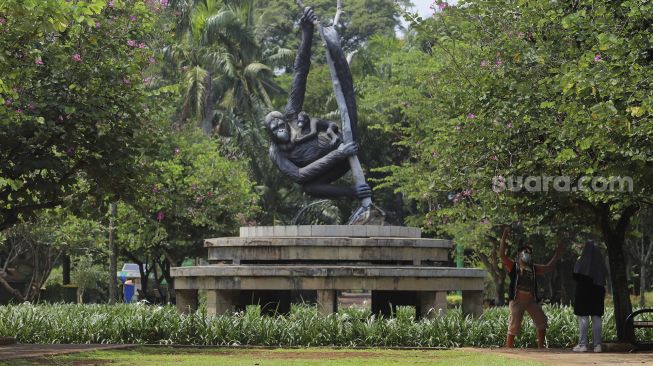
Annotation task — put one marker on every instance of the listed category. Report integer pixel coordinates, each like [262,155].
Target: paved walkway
[565,357]
[39,350]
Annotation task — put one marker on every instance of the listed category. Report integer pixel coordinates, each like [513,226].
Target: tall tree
[72,101]
[537,89]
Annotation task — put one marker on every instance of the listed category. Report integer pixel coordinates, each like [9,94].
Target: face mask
[526,257]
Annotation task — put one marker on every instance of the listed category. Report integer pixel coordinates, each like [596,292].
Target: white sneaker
[598,348]
[580,348]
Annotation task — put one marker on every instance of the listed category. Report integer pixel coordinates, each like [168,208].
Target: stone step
[329,249]
[331,231]
[315,277]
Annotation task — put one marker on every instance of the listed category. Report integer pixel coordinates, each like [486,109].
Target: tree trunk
[113,264]
[500,290]
[65,268]
[615,239]
[642,285]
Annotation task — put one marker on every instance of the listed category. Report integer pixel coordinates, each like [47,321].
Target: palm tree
[226,82]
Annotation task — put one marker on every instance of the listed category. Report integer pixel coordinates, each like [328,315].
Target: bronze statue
[312,161]
[308,150]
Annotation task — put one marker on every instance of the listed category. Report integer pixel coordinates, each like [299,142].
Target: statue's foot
[370,215]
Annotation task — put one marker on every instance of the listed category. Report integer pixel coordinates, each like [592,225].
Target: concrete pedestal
[433,304]
[276,266]
[186,300]
[220,302]
[472,303]
[327,301]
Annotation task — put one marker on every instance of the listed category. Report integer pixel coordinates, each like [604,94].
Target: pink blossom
[38,61]
[509,125]
[97,24]
[494,157]
[141,45]
[597,58]
[177,150]
[132,18]
[471,116]
[155,189]
[483,63]
[77,57]
[8,101]
[110,4]
[160,216]
[151,60]
[467,193]
[443,5]
[31,107]
[499,62]
[147,80]
[19,110]
[164,3]
[209,194]
[3,20]
[456,198]
[126,81]
[131,43]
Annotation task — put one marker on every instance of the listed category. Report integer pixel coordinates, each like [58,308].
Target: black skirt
[590,298]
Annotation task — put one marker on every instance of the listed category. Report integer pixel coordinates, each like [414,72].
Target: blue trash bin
[128,292]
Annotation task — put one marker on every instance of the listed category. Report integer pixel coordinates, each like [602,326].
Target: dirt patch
[300,355]
[565,357]
[39,352]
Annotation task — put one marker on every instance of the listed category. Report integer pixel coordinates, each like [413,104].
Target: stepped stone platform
[277,265]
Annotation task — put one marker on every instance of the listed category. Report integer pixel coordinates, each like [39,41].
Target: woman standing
[589,273]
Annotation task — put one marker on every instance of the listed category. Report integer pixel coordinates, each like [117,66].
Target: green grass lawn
[144,356]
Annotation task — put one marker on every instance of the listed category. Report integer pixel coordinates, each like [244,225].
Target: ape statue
[315,126]
[314,162]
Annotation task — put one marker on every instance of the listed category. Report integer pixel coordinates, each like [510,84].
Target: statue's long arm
[302,66]
[309,172]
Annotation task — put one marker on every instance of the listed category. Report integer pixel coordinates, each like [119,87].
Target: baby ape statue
[316,162]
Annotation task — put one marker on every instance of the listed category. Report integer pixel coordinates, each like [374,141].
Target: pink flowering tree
[72,104]
[556,89]
[192,192]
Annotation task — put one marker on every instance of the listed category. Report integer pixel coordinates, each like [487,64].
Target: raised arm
[302,66]
[502,244]
[541,269]
[507,262]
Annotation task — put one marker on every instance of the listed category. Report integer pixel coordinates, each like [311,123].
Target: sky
[422,7]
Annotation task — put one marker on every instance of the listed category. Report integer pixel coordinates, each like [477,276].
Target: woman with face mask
[523,289]
[589,272]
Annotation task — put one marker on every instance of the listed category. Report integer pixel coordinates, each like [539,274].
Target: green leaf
[585,143]
[565,155]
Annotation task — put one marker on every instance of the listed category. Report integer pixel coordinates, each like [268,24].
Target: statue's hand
[363,191]
[348,149]
[308,18]
[335,142]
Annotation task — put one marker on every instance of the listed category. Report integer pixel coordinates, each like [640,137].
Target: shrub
[303,326]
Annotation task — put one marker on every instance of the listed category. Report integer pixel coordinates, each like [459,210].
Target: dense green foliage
[302,327]
[73,101]
[528,89]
